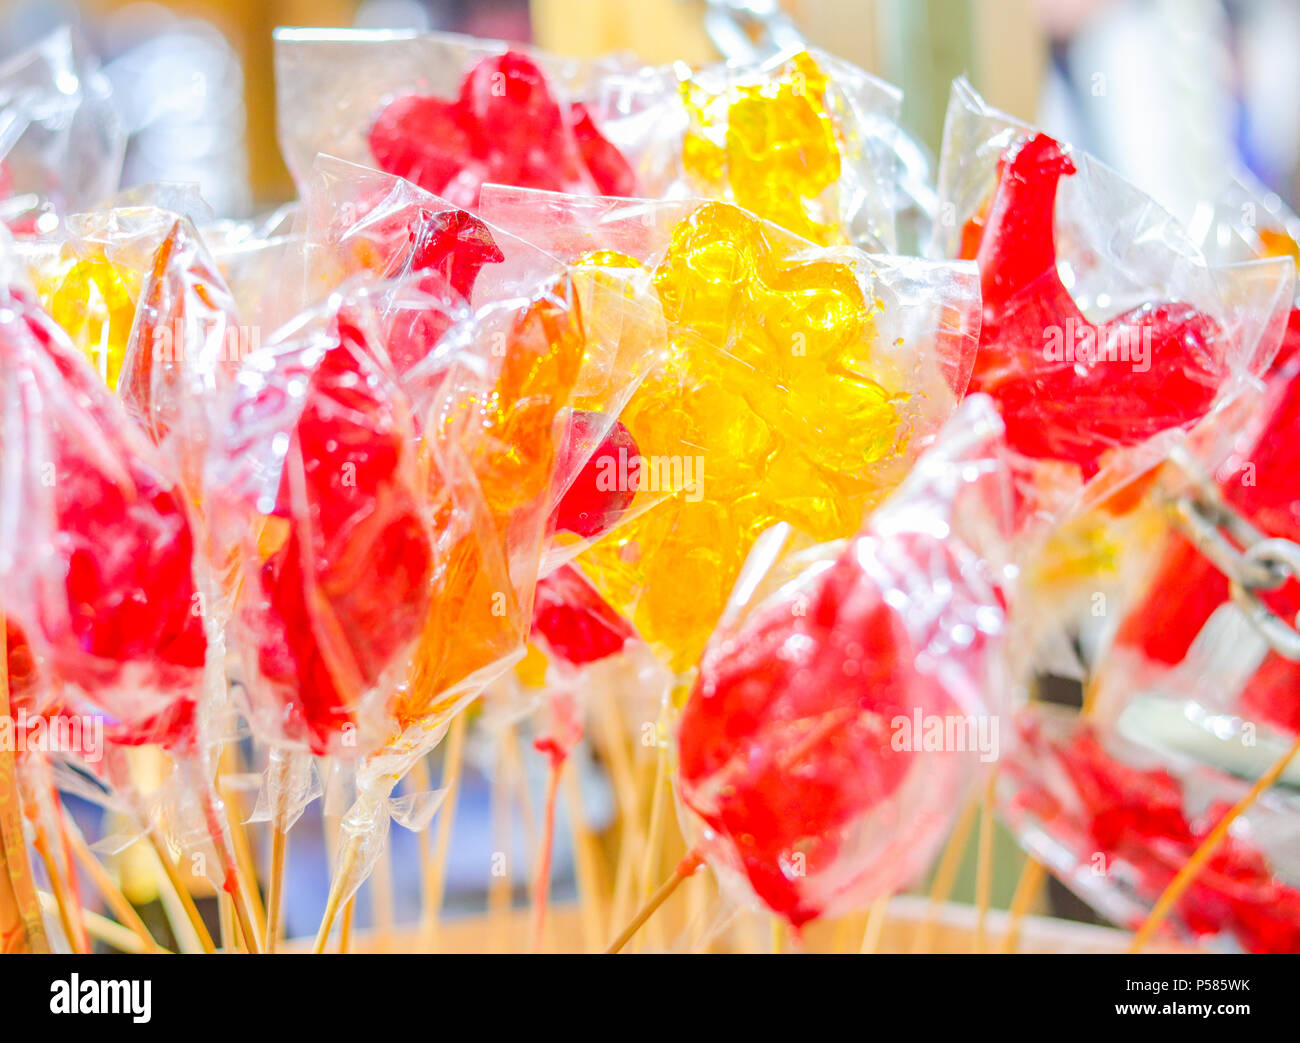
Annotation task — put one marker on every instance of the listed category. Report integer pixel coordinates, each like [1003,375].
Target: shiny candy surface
[505,126]
[771,147]
[1091,803]
[766,409]
[112,610]
[791,750]
[1070,389]
[349,587]
[496,441]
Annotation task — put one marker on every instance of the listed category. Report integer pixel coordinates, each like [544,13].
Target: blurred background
[1171,92]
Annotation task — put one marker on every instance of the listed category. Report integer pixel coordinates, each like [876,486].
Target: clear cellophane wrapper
[332,85]
[802,138]
[832,806]
[1186,659]
[97,553]
[796,382]
[1115,250]
[355,221]
[63,140]
[140,295]
[1115,821]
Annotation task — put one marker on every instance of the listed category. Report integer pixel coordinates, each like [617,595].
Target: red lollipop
[104,591]
[505,126]
[789,745]
[1164,624]
[347,588]
[1072,800]
[1070,389]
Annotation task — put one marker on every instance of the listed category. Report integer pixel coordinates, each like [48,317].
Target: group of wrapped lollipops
[357,562]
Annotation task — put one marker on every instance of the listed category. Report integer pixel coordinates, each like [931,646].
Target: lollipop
[797,772]
[504,126]
[107,601]
[1155,367]
[804,141]
[1116,829]
[338,555]
[1106,337]
[783,388]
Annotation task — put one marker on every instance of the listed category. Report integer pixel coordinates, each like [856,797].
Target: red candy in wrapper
[506,127]
[103,589]
[593,501]
[345,580]
[789,750]
[574,621]
[1081,801]
[1265,488]
[1156,367]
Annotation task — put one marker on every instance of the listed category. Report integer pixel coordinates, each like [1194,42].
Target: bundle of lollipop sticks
[585,429]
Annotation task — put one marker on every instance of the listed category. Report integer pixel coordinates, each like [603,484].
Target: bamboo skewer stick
[1192,867]
[173,876]
[230,941]
[684,869]
[345,931]
[275,885]
[69,913]
[655,833]
[436,884]
[875,926]
[945,876]
[102,928]
[984,867]
[542,880]
[1032,878]
[232,882]
[243,848]
[587,863]
[381,901]
[108,890]
[501,813]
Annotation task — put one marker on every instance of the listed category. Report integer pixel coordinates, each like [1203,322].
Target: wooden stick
[436,884]
[1030,885]
[232,883]
[182,891]
[345,931]
[230,940]
[334,901]
[685,868]
[69,915]
[381,901]
[631,840]
[501,813]
[984,868]
[587,863]
[1192,867]
[875,926]
[542,879]
[19,901]
[655,833]
[102,928]
[107,888]
[275,884]
[243,848]
[945,876]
